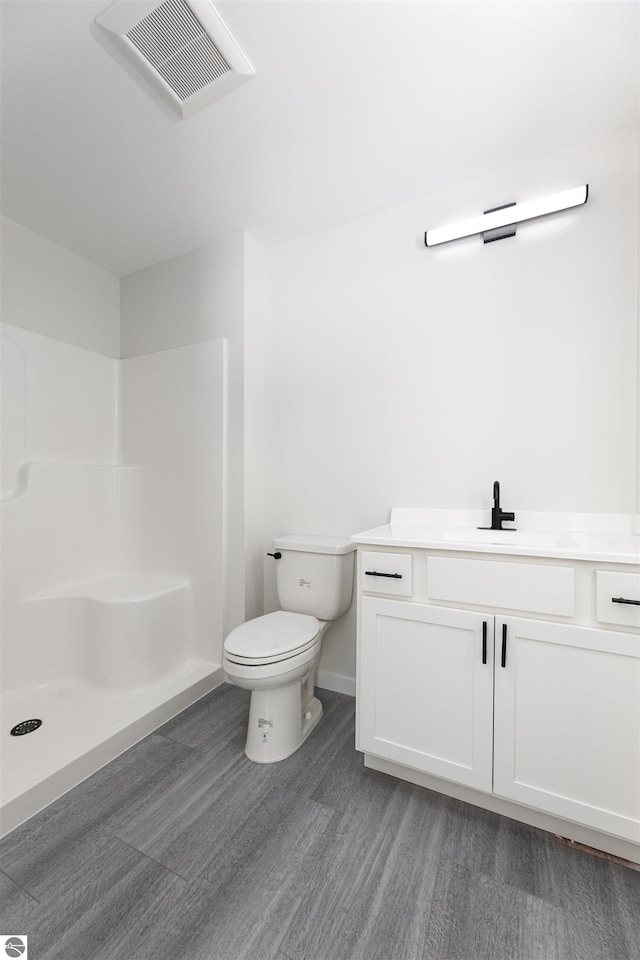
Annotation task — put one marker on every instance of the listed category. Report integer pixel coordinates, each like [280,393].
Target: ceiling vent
[182,47]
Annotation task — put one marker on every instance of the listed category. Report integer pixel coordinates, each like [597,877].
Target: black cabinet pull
[374,573]
[484,641]
[623,600]
[276,555]
[503,661]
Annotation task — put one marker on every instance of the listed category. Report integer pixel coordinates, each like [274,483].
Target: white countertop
[604,538]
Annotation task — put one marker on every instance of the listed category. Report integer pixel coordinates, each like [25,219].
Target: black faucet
[498,515]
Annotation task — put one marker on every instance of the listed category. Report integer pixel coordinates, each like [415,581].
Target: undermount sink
[579,536]
[529,538]
[541,539]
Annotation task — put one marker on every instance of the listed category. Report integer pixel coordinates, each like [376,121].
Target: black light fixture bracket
[500,233]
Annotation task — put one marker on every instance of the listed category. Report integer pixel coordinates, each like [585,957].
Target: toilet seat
[272,638]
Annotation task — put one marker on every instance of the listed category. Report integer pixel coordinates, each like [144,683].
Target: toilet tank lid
[314,544]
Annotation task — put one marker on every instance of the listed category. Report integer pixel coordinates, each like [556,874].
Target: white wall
[60,336]
[637,506]
[58,403]
[173,408]
[400,375]
[210,293]
[254,479]
[49,290]
[70,512]
[189,299]
[58,515]
[58,438]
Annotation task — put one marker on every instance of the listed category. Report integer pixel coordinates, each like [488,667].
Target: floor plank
[16,907]
[211,720]
[241,911]
[602,904]
[475,916]
[55,843]
[370,897]
[505,850]
[106,912]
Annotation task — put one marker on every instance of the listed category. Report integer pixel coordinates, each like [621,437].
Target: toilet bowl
[275,656]
[283,709]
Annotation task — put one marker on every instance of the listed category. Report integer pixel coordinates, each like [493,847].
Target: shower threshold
[83,728]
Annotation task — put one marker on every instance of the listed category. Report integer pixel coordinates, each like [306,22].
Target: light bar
[508,215]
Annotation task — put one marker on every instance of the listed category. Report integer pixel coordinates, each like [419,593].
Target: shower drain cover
[27,726]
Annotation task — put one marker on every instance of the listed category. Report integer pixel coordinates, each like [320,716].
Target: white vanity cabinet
[425,695]
[567,722]
[535,715]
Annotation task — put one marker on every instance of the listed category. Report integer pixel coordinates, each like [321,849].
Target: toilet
[275,655]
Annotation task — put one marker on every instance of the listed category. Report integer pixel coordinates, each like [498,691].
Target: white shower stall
[113,546]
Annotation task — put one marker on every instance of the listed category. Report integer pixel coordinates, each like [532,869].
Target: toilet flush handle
[276,555]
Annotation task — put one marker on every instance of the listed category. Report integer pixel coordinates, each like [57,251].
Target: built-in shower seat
[122,630]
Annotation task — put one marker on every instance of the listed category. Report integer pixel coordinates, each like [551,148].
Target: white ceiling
[355,106]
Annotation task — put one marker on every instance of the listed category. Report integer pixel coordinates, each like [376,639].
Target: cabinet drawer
[611,589]
[535,588]
[388,573]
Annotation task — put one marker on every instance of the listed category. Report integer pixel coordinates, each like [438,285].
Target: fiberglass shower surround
[112,571]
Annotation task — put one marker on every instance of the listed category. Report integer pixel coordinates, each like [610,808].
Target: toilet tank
[314,575]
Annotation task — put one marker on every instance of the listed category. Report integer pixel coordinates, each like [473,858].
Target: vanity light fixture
[500,222]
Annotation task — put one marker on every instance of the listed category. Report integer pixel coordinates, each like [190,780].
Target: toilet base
[277,724]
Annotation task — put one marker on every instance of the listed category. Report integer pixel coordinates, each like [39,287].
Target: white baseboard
[335,682]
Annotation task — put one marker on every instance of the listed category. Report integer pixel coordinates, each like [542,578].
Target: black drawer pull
[374,573]
[623,600]
[503,661]
[484,641]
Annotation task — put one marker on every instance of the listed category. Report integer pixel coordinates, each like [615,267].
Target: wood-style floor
[182,848]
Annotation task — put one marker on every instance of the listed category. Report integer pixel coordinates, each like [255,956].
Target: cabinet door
[425,696]
[567,722]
